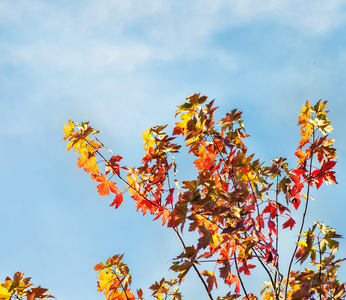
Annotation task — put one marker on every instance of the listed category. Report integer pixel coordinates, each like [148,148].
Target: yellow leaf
[305,114]
[68,129]
[4,294]
[148,139]
[106,279]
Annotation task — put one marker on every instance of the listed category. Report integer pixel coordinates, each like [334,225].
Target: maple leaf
[38,292]
[165,213]
[178,215]
[325,174]
[271,208]
[303,291]
[305,114]
[148,139]
[305,247]
[296,201]
[105,280]
[301,155]
[235,279]
[106,186]
[245,268]
[180,127]
[225,273]
[208,238]
[289,223]
[272,227]
[306,134]
[68,129]
[211,280]
[143,204]
[140,294]
[231,229]
[88,161]
[206,160]
[117,200]
[112,165]
[169,199]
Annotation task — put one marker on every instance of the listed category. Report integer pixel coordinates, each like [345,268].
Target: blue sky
[125,66]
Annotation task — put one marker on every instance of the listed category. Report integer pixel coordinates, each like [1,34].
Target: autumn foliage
[239,206]
[236,203]
[21,288]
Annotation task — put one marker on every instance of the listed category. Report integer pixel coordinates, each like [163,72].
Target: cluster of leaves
[115,279]
[233,203]
[20,288]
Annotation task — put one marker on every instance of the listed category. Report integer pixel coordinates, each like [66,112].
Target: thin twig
[320,271]
[302,224]
[241,281]
[121,284]
[193,264]
[265,268]
[277,241]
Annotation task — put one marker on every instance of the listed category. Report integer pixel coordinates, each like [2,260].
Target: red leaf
[117,200]
[296,201]
[169,199]
[245,268]
[140,294]
[271,209]
[324,174]
[112,166]
[289,223]
[297,187]
[272,227]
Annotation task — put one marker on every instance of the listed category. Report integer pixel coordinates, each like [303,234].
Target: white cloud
[199,19]
[92,58]
[138,31]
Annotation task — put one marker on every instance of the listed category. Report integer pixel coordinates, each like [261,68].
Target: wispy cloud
[126,34]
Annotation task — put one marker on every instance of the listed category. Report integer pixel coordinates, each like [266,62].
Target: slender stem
[260,260]
[265,268]
[241,281]
[320,271]
[302,224]
[193,264]
[277,240]
[121,284]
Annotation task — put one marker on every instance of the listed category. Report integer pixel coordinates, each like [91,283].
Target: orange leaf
[301,155]
[88,162]
[165,213]
[106,186]
[117,200]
